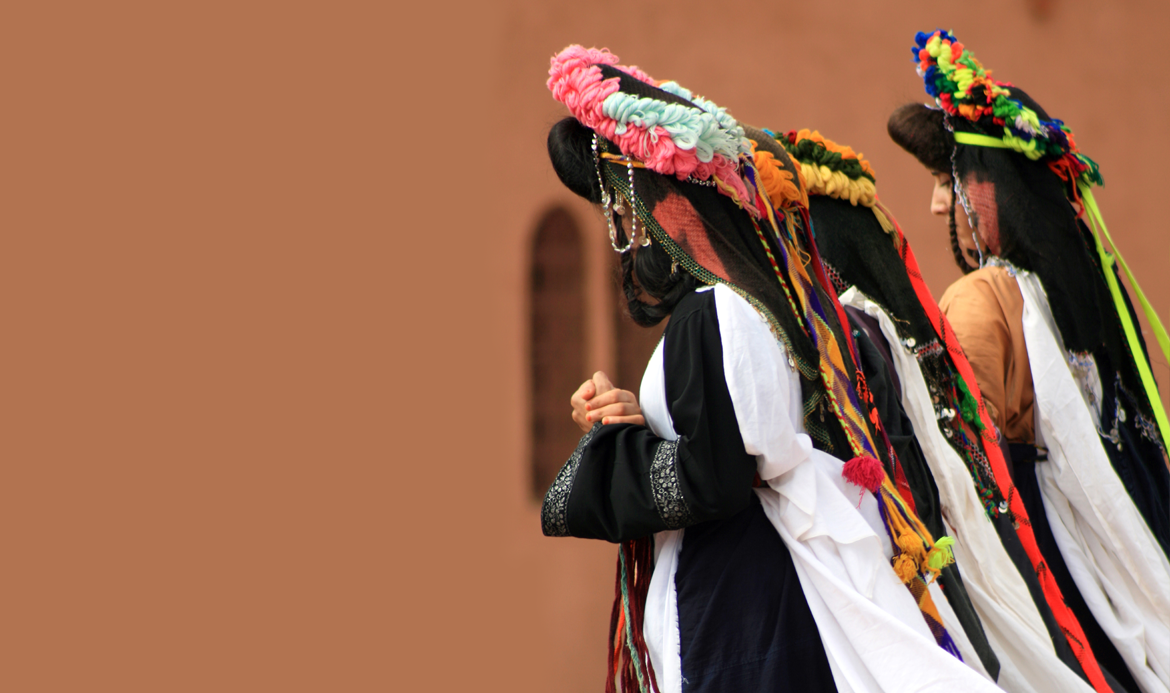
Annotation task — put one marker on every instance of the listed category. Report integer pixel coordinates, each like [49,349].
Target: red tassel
[865,472]
[621,674]
[615,631]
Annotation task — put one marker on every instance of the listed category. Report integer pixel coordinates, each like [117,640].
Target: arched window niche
[557,341]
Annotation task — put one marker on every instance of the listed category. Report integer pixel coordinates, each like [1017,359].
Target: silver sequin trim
[929,350]
[668,496]
[553,513]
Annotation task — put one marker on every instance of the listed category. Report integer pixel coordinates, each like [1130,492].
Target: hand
[598,400]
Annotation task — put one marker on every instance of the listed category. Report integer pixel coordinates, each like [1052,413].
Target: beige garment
[986,310]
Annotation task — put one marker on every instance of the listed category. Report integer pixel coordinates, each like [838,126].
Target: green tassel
[968,407]
[943,556]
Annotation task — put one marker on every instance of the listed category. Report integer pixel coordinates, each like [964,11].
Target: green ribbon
[981,140]
[1135,347]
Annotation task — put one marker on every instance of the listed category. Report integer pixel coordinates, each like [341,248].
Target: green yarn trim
[815,154]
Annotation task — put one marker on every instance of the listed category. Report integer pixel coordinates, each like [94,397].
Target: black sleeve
[623,482]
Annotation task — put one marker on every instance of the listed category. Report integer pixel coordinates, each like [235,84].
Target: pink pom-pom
[865,472]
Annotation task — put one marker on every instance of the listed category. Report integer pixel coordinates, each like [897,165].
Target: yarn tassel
[864,471]
[968,405]
[941,555]
[629,658]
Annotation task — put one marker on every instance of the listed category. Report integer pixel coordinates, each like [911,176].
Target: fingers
[583,395]
[579,402]
[601,382]
[582,423]
[637,420]
[598,400]
[611,397]
[619,409]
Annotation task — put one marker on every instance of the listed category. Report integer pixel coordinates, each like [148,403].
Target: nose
[940,200]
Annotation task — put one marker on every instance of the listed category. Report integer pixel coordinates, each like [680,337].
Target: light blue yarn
[721,115]
[708,131]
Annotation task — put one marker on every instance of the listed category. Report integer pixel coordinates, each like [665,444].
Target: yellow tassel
[906,568]
[887,226]
[909,542]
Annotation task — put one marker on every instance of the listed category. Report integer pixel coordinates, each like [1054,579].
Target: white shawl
[1117,564]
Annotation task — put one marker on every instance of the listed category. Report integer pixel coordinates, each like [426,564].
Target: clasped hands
[598,400]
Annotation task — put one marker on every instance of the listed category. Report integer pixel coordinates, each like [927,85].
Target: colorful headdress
[964,88]
[668,129]
[833,170]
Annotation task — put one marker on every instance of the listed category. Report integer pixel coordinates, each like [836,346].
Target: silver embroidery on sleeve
[556,502]
[668,496]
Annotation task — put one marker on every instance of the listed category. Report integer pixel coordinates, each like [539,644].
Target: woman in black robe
[749,425]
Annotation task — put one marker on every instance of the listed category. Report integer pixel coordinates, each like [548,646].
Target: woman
[951,453]
[764,547]
[1086,438]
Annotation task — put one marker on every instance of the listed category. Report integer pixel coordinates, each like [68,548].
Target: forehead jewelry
[606,199]
[633,204]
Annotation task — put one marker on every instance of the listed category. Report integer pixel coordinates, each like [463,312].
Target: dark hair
[920,130]
[646,271]
[956,249]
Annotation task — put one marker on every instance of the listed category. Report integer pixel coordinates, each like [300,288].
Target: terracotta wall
[264,286]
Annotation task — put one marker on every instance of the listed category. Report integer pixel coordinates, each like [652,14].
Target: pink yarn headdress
[661,125]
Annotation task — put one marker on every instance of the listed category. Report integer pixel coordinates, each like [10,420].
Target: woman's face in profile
[941,199]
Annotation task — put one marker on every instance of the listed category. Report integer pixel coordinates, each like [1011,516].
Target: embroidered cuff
[556,502]
[668,495]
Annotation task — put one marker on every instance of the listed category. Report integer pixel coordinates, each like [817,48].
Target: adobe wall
[269,313]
